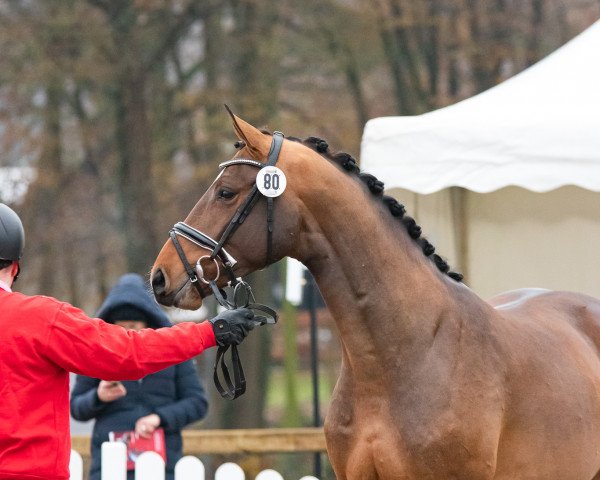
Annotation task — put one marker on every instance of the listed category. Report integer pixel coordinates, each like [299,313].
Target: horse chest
[371,437]
[374,449]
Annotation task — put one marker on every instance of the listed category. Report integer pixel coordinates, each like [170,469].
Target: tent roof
[539,130]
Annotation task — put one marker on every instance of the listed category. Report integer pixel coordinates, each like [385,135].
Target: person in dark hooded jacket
[170,399]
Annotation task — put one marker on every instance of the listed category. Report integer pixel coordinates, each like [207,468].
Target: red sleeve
[92,347]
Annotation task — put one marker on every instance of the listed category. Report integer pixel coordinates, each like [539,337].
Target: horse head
[248,247]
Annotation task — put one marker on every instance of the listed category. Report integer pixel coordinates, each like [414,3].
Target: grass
[276,395]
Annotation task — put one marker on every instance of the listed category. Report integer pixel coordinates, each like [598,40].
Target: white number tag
[271,181]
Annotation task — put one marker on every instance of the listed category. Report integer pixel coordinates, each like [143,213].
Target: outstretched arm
[94,348]
[98,349]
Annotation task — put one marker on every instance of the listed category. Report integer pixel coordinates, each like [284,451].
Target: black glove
[232,326]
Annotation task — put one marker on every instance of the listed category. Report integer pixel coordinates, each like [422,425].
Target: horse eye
[226,194]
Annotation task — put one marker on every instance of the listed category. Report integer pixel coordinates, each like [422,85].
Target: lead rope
[234,389]
[238,386]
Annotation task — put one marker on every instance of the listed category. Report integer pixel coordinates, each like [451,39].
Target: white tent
[540,131]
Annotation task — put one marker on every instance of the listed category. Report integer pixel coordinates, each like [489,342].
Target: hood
[132,290]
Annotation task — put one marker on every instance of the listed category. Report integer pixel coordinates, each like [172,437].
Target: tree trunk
[340,50]
[405,90]
[256,74]
[134,174]
[216,119]
[47,191]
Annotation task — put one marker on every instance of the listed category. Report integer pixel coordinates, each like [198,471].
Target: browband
[241,161]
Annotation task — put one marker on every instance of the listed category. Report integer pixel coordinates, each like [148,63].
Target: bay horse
[435,383]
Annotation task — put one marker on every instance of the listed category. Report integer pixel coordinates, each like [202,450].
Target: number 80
[271,181]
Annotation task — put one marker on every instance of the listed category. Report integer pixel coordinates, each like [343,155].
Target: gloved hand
[232,326]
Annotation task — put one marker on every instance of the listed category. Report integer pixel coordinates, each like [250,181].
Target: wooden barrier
[259,440]
[150,466]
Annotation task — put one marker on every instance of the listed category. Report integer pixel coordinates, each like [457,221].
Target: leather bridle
[242,292]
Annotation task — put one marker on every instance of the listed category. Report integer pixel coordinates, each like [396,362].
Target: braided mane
[376,187]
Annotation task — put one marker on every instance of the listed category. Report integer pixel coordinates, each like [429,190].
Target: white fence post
[269,474]
[149,466]
[75,466]
[114,461]
[229,471]
[189,468]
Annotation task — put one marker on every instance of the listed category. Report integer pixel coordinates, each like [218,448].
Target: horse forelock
[376,187]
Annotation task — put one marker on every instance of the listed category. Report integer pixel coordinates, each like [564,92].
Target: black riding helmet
[12,235]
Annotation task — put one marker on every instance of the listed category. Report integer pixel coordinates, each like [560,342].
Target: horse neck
[385,296]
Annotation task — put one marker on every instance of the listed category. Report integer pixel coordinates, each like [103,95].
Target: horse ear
[257,142]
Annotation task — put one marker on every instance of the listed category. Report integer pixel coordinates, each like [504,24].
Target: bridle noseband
[242,293]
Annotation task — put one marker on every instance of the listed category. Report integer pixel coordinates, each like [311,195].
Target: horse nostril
[158,282]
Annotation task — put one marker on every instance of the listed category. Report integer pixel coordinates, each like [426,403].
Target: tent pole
[314,363]
[458,201]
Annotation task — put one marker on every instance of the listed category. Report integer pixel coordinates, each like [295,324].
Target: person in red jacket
[43,339]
